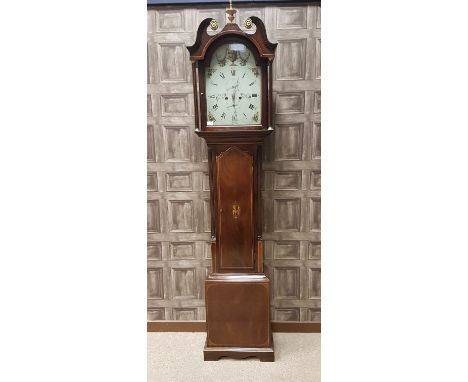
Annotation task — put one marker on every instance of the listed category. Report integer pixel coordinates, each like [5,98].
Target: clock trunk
[235,223]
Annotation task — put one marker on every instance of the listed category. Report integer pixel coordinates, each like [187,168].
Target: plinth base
[211,353]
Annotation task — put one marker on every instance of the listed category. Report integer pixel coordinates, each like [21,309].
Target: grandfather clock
[232,78]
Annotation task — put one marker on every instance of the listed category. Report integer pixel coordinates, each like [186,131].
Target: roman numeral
[234,117]
[222,75]
[251,107]
[211,71]
[215,106]
[251,83]
[254,95]
[243,75]
[212,96]
[223,116]
[233,72]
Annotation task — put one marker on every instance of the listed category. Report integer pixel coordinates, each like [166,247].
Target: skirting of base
[211,353]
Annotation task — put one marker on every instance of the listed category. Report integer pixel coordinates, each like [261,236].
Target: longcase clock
[232,78]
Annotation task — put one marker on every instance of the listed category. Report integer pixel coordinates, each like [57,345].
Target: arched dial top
[233,87]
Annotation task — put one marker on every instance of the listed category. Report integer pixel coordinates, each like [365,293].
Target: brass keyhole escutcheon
[235,210]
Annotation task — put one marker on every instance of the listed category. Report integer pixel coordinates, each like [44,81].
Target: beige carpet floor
[178,357]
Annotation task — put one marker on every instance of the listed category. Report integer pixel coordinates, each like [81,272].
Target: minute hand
[233,97]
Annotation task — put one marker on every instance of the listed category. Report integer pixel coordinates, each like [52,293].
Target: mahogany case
[237,292]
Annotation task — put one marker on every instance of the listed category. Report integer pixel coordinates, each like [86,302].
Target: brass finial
[248,23]
[231,12]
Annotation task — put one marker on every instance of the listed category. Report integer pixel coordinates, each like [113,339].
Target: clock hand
[235,86]
[233,96]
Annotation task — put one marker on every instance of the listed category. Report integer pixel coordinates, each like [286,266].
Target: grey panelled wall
[178,188]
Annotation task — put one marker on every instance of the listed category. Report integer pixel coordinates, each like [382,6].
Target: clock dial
[233,87]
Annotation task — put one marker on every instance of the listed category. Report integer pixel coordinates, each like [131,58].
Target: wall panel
[179,254]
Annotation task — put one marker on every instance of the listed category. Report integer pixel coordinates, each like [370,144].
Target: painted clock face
[233,87]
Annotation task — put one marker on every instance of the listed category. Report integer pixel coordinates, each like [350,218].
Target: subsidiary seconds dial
[233,87]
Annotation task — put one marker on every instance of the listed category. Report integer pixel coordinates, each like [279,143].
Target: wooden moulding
[263,354]
[200,326]
[228,136]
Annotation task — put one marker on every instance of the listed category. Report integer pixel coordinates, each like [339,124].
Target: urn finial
[231,12]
